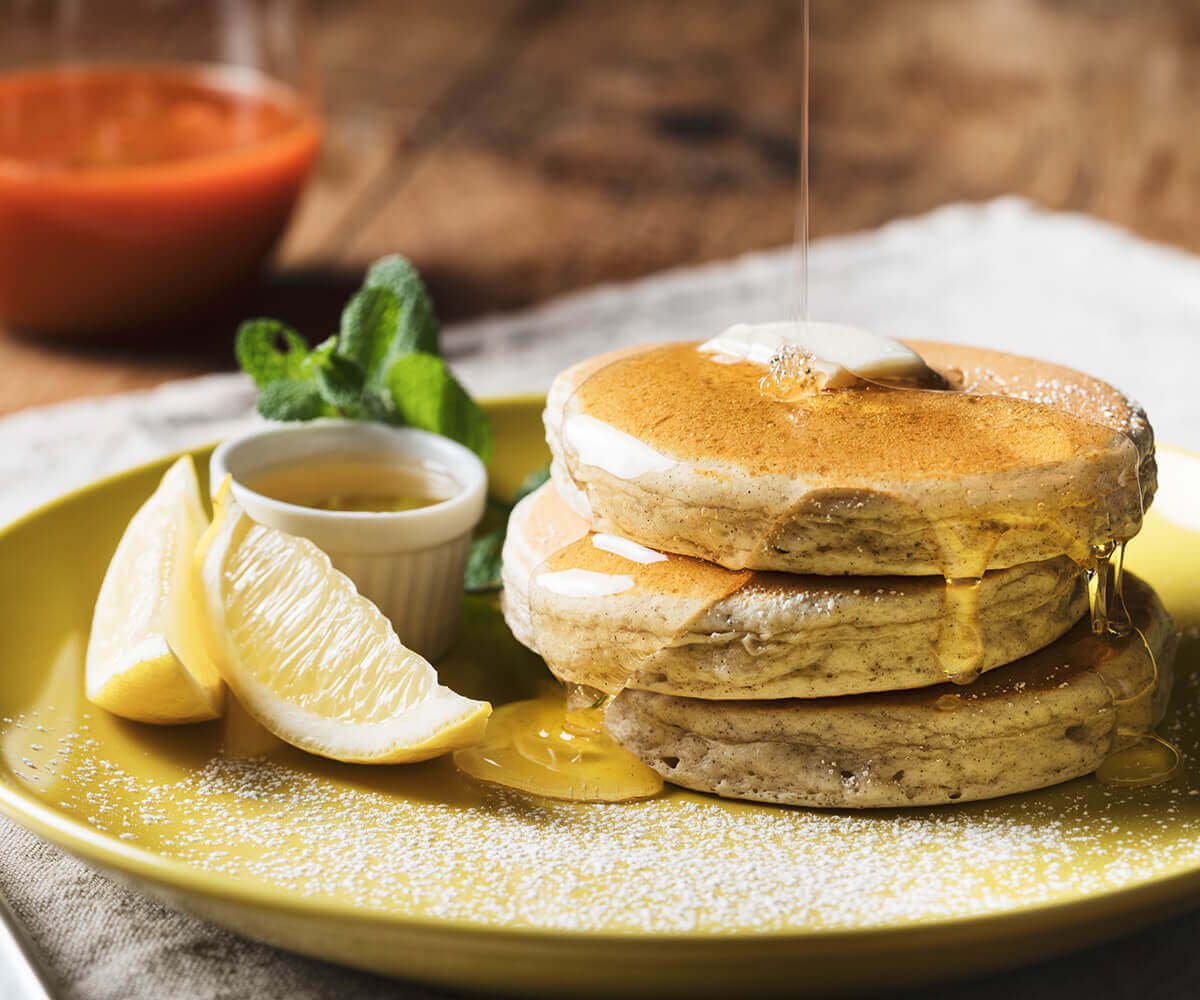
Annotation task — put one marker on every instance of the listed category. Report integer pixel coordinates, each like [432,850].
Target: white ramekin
[408,563]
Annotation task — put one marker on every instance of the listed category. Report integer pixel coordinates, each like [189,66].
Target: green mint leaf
[292,399]
[428,396]
[267,350]
[417,327]
[316,357]
[369,326]
[483,562]
[340,383]
[535,479]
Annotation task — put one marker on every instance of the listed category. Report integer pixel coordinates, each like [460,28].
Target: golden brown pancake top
[684,404]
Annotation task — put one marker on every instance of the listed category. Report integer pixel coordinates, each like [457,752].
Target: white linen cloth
[1005,274]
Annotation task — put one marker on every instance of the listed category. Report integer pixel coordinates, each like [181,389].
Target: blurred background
[520,149]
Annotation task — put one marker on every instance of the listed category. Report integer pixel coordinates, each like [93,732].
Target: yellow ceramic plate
[415,871]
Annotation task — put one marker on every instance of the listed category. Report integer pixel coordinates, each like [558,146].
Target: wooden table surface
[517,149]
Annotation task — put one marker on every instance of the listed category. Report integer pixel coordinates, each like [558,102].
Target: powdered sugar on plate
[425,841]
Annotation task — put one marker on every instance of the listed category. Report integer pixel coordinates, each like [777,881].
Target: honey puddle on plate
[556,747]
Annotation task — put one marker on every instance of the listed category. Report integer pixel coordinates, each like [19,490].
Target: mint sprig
[384,364]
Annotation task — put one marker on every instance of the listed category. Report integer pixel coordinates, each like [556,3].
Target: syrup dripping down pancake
[1051,716]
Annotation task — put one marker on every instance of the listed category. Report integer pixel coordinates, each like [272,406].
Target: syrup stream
[801,275]
[1139,756]
[960,644]
[1106,597]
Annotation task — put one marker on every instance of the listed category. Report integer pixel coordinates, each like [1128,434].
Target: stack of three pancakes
[871,596]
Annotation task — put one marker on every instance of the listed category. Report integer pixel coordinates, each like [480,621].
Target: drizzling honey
[800,298]
[1105,594]
[1139,755]
[556,747]
[960,642]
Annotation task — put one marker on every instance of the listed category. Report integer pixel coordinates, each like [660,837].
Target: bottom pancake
[1049,717]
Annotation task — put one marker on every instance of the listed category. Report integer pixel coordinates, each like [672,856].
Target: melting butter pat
[835,356]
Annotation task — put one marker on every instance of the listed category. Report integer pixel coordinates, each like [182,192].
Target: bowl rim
[366,532]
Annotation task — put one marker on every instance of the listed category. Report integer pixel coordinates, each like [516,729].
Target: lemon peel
[146,657]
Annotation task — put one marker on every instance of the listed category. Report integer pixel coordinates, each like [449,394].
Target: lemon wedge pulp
[146,657]
[311,659]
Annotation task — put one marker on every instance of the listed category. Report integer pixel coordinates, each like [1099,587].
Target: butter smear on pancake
[819,355]
[585,583]
[617,453]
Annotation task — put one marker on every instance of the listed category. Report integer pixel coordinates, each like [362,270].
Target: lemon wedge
[314,661]
[146,658]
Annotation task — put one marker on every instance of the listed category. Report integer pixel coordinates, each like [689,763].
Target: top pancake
[1023,461]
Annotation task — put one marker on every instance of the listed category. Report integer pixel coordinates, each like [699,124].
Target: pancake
[538,526]
[1049,717]
[608,614]
[1023,462]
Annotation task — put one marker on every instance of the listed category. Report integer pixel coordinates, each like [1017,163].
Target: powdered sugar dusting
[426,841]
[1079,394]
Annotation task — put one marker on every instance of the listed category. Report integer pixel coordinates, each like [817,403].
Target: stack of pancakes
[870,596]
